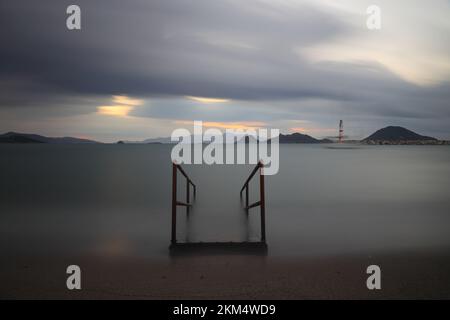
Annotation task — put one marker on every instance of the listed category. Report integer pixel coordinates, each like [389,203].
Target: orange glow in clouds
[120,107]
[207,100]
[228,125]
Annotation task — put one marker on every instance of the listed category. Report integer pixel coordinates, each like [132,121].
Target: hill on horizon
[396,133]
[16,137]
[297,137]
[283,138]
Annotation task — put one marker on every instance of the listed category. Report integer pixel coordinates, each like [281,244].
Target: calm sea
[115,200]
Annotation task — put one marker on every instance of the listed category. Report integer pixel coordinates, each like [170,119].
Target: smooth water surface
[115,200]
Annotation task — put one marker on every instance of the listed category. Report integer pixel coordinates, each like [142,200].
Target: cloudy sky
[140,68]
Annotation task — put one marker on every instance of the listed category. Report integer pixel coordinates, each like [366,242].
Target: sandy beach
[413,275]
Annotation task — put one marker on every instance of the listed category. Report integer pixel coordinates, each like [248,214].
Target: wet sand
[412,275]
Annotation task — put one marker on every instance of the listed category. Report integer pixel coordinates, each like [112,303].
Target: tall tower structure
[341,131]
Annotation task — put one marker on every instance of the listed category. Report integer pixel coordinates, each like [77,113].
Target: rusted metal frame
[257,203]
[262,201]
[175,202]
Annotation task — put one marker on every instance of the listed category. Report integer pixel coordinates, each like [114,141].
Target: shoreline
[408,275]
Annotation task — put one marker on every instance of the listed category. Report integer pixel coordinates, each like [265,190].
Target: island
[395,135]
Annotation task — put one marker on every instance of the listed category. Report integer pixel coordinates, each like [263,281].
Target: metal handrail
[185,174]
[175,202]
[259,165]
[261,203]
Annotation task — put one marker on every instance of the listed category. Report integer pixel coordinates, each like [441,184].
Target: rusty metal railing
[175,202]
[261,203]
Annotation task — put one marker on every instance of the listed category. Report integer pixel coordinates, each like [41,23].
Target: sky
[140,69]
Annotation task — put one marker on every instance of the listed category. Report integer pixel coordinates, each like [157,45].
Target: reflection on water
[115,200]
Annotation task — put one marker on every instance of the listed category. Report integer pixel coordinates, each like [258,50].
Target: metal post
[188,184]
[263,205]
[174,203]
[246,196]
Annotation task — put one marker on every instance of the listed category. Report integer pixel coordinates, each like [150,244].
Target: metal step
[246,247]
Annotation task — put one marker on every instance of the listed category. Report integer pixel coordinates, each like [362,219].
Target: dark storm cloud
[234,49]
[168,48]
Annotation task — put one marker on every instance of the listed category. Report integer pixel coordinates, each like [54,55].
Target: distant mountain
[158,140]
[147,141]
[15,137]
[167,140]
[292,138]
[396,134]
[288,138]
[300,138]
